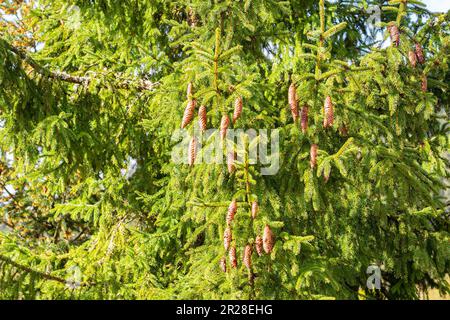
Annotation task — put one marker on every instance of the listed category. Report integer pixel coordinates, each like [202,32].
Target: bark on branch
[138,84]
[29,270]
[43,275]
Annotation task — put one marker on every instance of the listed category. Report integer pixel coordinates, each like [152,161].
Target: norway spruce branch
[139,84]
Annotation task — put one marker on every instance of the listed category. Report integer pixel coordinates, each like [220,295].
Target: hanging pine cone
[232,255]
[313,155]
[268,239]
[231,157]
[237,108]
[188,113]
[192,151]
[189,91]
[224,123]
[255,209]
[248,256]
[412,58]
[292,98]
[223,264]
[395,34]
[232,209]
[259,245]
[304,118]
[328,118]
[419,53]
[227,237]
[424,83]
[202,118]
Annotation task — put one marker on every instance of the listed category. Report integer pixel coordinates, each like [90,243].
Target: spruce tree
[94,207]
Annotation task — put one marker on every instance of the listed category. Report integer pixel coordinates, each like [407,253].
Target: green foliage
[93,207]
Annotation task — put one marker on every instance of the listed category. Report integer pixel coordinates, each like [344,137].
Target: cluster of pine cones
[202,121]
[328,118]
[266,242]
[415,55]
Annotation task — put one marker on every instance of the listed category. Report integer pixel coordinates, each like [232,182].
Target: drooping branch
[29,270]
[43,275]
[138,84]
[214,204]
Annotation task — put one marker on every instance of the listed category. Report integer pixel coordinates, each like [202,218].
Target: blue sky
[438,5]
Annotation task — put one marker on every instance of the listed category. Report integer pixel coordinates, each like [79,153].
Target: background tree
[91,93]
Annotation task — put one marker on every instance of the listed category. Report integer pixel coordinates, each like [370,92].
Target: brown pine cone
[304,118]
[202,118]
[313,155]
[268,239]
[231,157]
[292,98]
[232,209]
[395,34]
[237,108]
[227,237]
[232,255]
[248,256]
[419,53]
[224,123]
[412,58]
[255,209]
[188,113]
[424,83]
[259,245]
[192,151]
[328,118]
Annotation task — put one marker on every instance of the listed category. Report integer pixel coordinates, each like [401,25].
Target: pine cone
[259,245]
[268,239]
[231,157]
[313,155]
[232,255]
[224,123]
[248,256]
[255,209]
[237,108]
[227,237]
[192,151]
[328,117]
[304,118]
[223,264]
[419,53]
[232,209]
[424,83]
[395,34]
[412,58]
[292,98]
[188,113]
[202,118]
[190,91]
